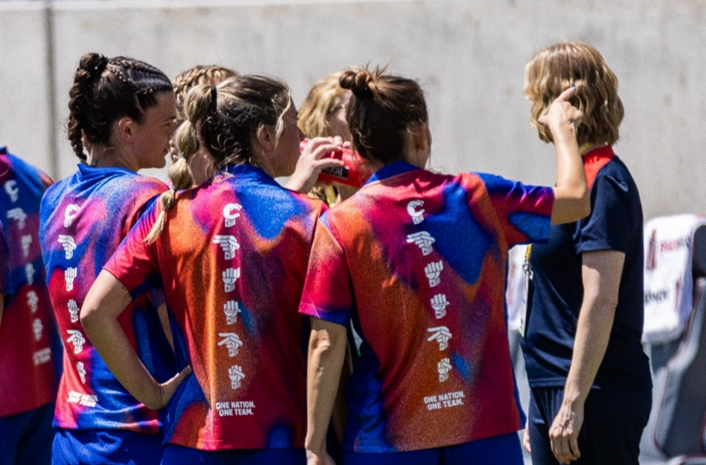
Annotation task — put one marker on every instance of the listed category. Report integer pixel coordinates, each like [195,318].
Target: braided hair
[106,89]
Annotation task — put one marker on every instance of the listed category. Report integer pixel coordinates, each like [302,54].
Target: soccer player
[417,259]
[30,350]
[121,119]
[232,254]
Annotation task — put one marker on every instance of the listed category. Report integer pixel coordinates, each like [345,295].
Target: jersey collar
[391,169]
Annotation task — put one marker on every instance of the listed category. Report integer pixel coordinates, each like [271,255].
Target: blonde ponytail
[198,101]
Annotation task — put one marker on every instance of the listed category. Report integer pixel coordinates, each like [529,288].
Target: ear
[87,144]
[265,138]
[421,137]
[126,129]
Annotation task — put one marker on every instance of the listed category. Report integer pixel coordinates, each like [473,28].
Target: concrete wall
[468,55]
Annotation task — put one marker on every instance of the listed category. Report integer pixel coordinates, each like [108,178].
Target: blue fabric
[180,455]
[25,438]
[611,431]
[106,448]
[615,223]
[503,449]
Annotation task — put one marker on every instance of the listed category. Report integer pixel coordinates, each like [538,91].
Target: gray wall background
[469,57]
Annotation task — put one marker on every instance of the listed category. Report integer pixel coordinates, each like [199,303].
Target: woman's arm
[571,198]
[105,301]
[312,161]
[601,272]
[327,349]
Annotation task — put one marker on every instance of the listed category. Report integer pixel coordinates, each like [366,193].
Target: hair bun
[358,81]
[94,63]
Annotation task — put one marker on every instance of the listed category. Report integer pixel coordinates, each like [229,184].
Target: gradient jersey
[233,260]
[28,341]
[83,220]
[418,260]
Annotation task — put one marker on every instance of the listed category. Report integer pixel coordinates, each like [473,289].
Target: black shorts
[611,431]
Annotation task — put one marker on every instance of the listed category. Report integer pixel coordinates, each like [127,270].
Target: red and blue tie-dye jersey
[418,260]
[29,346]
[233,259]
[83,220]
[5,287]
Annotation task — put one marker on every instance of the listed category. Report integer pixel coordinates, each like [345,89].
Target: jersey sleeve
[328,291]
[146,195]
[608,227]
[134,262]
[524,211]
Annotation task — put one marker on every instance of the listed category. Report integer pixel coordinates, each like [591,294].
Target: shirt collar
[391,169]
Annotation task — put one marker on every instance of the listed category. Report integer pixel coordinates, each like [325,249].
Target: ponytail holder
[101,65]
[173,189]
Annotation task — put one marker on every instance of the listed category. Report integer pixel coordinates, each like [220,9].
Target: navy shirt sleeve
[608,227]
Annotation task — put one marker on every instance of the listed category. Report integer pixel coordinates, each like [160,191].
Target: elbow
[327,343]
[89,316]
[583,201]
[580,205]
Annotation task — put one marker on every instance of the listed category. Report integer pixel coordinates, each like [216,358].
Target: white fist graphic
[235,373]
[439,304]
[231,310]
[444,367]
[37,327]
[33,301]
[433,270]
[73,310]
[230,276]
[81,372]
[26,242]
[29,273]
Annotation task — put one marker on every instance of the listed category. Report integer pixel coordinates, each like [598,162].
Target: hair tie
[101,65]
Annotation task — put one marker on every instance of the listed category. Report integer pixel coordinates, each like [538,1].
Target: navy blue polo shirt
[615,223]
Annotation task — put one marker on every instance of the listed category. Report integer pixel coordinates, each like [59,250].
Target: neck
[588,146]
[110,157]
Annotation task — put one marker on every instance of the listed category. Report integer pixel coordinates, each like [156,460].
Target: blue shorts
[611,431]
[503,449]
[25,438]
[106,447]
[180,455]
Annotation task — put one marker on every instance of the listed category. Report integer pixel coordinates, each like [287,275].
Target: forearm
[327,348]
[571,188]
[590,345]
[110,341]
[105,301]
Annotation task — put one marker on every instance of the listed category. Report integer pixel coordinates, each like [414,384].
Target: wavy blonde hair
[567,64]
[226,119]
